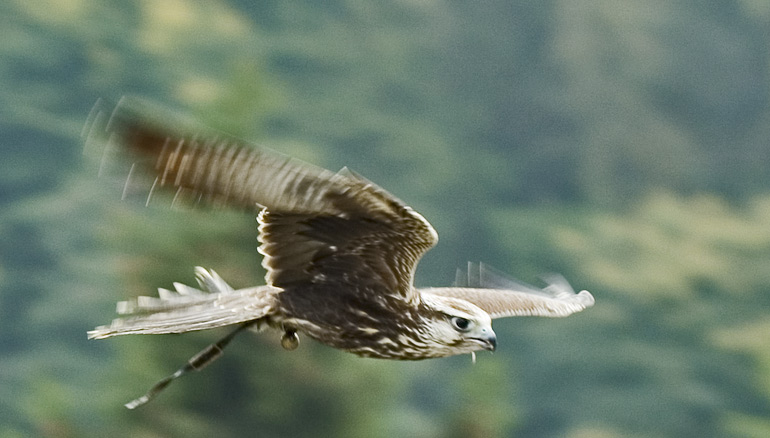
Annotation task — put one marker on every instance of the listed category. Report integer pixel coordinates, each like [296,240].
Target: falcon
[339,252]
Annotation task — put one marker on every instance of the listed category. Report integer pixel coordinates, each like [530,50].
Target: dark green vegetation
[623,144]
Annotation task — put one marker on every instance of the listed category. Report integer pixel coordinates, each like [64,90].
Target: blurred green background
[623,144]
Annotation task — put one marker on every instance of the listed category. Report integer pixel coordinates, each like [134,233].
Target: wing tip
[585,298]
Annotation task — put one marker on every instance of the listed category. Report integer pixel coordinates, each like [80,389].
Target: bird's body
[340,254]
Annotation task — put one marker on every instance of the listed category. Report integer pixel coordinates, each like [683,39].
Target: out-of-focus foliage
[674,276]
[622,143]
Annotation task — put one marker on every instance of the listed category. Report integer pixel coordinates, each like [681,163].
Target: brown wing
[316,225]
[202,166]
[359,251]
[502,296]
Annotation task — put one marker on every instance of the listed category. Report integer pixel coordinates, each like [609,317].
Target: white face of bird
[460,328]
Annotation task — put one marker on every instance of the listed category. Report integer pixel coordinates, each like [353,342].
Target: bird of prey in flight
[339,251]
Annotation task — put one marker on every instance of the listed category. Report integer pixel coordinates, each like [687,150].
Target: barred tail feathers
[215,304]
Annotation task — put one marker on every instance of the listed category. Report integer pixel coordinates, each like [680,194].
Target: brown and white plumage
[340,253]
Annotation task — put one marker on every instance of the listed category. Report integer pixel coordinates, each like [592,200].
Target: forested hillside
[623,144]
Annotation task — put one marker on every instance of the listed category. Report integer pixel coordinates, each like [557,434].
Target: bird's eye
[461,324]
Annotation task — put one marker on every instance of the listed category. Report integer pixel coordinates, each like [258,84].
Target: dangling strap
[196,363]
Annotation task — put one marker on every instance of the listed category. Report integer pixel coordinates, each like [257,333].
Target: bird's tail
[215,304]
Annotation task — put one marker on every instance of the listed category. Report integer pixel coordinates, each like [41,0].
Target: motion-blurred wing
[316,227]
[205,166]
[501,296]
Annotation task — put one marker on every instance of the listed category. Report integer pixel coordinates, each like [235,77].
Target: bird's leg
[196,363]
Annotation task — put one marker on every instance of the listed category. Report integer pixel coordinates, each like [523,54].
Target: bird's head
[457,326]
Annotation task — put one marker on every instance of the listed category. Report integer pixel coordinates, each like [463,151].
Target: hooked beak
[488,341]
